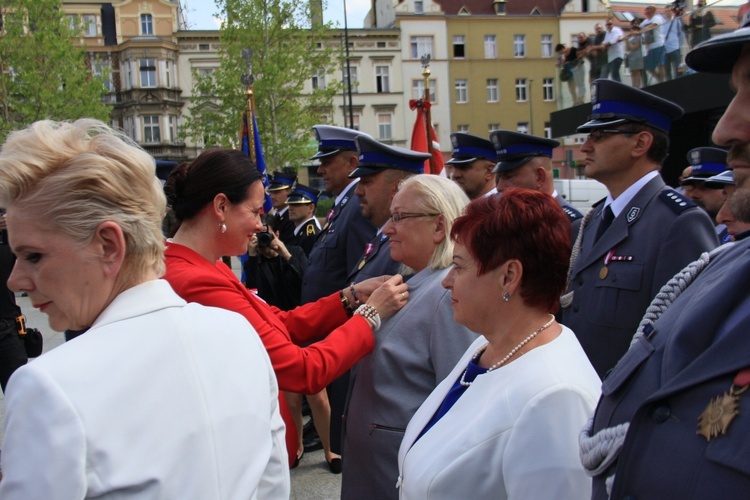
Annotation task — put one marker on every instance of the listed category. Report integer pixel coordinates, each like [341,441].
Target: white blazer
[512,434]
[160,399]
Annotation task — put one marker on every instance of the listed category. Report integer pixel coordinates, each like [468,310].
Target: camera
[264,238]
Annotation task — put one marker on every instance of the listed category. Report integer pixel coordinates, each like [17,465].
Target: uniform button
[661,413]
[575,308]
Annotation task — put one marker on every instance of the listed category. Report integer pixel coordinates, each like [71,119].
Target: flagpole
[250,99]
[428,118]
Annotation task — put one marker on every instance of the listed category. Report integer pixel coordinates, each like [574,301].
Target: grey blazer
[414,350]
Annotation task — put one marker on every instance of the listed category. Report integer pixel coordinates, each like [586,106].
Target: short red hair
[521,224]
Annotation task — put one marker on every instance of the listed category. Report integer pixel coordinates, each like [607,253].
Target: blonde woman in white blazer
[505,422]
[158,399]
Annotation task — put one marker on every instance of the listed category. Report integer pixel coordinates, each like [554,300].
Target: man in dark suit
[472,161]
[279,187]
[640,235]
[338,247]
[302,203]
[674,417]
[381,169]
[525,161]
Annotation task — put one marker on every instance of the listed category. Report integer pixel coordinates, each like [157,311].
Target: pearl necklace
[509,355]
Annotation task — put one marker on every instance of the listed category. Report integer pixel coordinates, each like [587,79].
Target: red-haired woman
[505,422]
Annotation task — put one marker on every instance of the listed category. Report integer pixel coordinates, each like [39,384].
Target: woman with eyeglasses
[415,349]
[218,200]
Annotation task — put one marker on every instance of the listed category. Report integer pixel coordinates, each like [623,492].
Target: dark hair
[191,186]
[521,224]
[659,147]
[559,47]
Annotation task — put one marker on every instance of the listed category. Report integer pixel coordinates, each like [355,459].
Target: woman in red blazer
[218,200]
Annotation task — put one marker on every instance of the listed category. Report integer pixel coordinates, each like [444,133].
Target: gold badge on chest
[722,410]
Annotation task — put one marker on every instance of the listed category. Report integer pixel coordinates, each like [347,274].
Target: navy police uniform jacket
[306,236]
[658,234]
[375,261]
[337,249]
[666,382]
[574,216]
[286,228]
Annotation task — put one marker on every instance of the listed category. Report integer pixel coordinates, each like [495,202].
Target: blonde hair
[435,194]
[71,177]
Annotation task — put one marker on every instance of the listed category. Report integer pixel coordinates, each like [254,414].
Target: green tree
[42,73]
[287,51]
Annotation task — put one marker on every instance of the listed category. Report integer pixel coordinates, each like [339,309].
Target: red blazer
[305,370]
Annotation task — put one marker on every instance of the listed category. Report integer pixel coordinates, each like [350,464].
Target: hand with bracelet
[387,299]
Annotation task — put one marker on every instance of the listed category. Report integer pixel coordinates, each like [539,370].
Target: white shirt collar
[341,194]
[622,201]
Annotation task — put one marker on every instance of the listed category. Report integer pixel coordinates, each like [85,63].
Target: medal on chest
[721,410]
[368,250]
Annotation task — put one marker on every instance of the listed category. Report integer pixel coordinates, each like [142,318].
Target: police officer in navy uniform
[302,203]
[706,162]
[674,417]
[640,235]
[339,246]
[279,187]
[525,161]
[381,169]
[472,161]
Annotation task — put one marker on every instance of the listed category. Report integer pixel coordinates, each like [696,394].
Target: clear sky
[200,13]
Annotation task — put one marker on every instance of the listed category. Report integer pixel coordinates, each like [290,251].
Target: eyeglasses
[397,217]
[599,134]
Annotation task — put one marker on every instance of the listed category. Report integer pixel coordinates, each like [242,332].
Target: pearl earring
[223,228]
[506,297]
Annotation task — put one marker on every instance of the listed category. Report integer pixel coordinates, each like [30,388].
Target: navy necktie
[607,217]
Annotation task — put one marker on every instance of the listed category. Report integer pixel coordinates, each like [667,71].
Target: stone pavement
[311,480]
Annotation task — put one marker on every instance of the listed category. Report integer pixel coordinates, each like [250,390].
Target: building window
[546,45]
[356,117]
[417,89]
[490,47]
[147,24]
[493,91]
[319,81]
[547,130]
[72,21]
[382,79]
[101,68]
[151,132]
[148,73]
[519,45]
[129,127]
[420,46]
[418,7]
[352,80]
[459,46]
[204,47]
[522,93]
[463,128]
[548,85]
[385,129]
[89,25]
[168,73]
[462,91]
[126,76]
[173,129]
[494,126]
[523,127]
